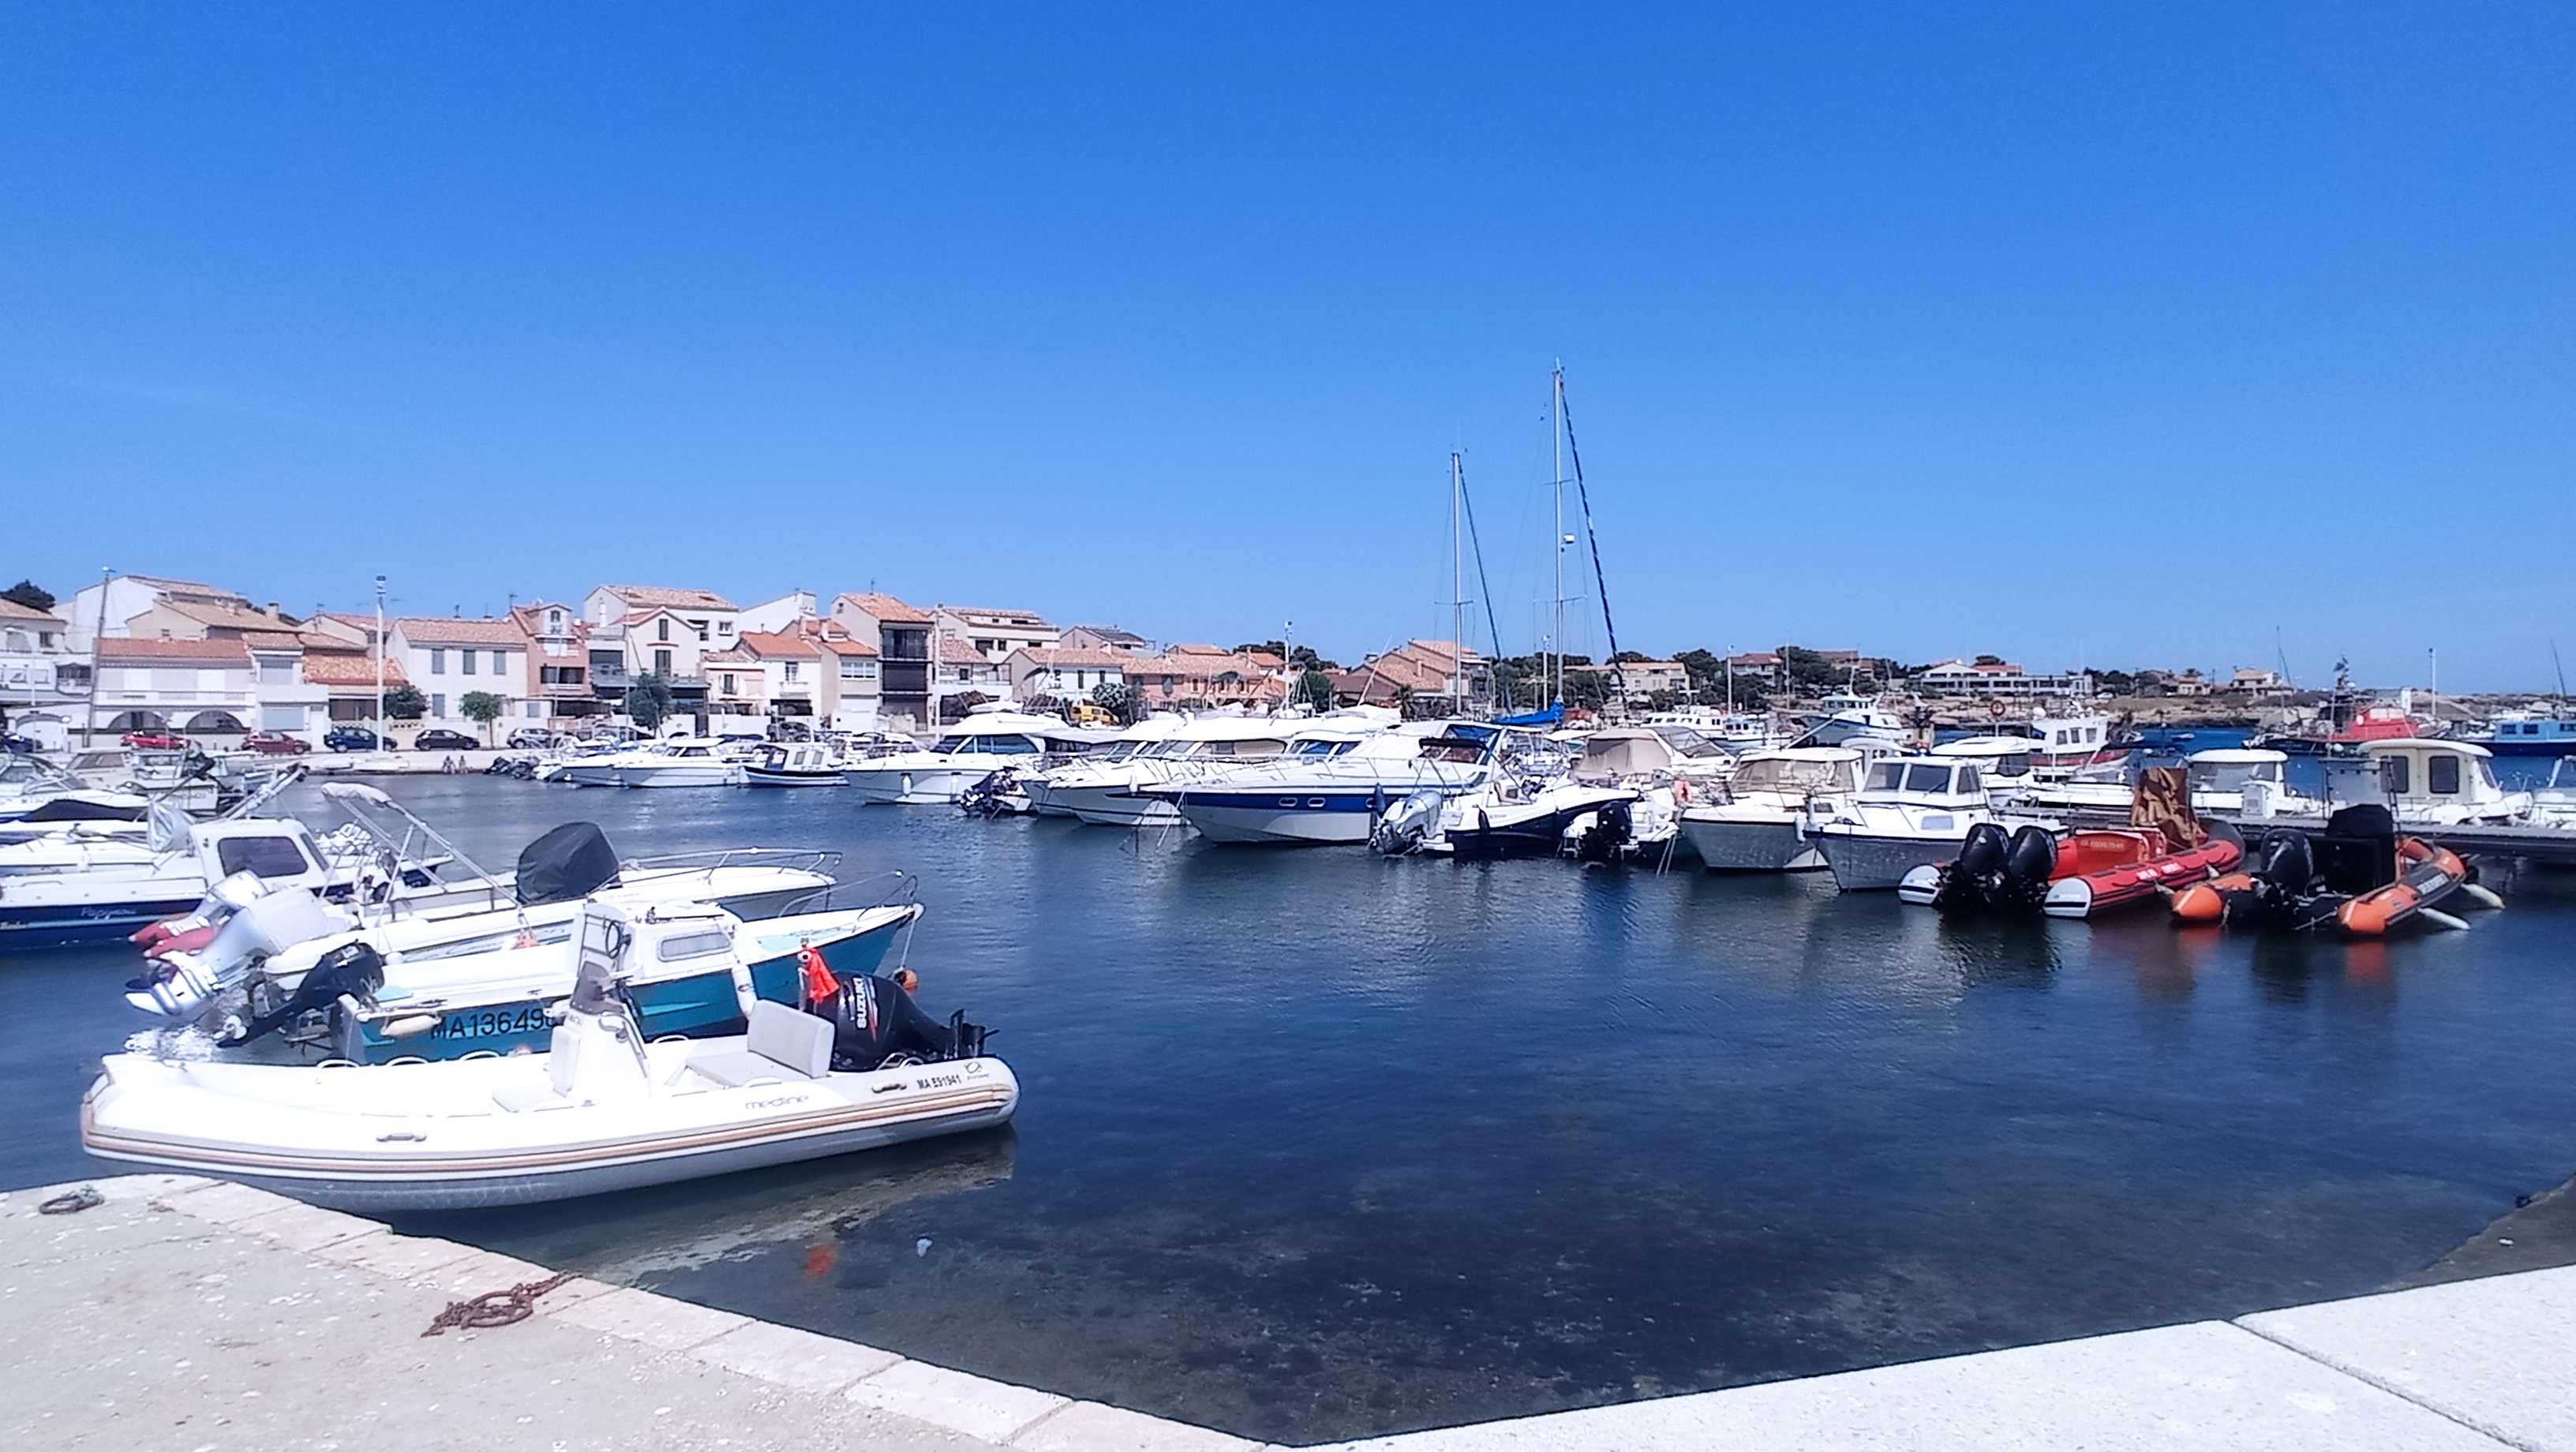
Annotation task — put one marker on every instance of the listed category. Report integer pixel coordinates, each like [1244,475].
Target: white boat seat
[527,1098]
[784,1043]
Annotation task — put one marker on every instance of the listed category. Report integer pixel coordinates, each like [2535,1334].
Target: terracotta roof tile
[440,630]
[885,609]
[188,652]
[350,670]
[652,595]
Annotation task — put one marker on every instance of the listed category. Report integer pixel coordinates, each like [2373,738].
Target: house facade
[1207,677]
[1435,677]
[448,659]
[557,684]
[1998,680]
[1104,637]
[994,634]
[201,687]
[1637,681]
[42,683]
[902,637]
[1068,673]
[710,615]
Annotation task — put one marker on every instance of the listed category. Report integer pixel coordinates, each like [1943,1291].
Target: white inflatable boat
[601,1110]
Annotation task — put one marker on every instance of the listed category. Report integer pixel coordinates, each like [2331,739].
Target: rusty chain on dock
[495,1308]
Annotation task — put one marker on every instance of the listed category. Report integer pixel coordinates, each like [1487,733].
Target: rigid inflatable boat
[2357,877]
[601,1110]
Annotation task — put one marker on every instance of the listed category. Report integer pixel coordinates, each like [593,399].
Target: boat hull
[761,776]
[1110,806]
[1280,819]
[685,774]
[57,925]
[1866,862]
[931,786]
[152,1114]
[1751,846]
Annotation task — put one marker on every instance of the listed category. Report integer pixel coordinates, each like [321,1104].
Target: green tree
[1119,699]
[482,708]
[648,701]
[29,594]
[405,703]
[1315,689]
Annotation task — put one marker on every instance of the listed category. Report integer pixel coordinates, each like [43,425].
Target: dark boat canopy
[572,861]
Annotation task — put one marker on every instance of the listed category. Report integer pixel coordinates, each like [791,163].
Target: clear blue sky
[2131,332]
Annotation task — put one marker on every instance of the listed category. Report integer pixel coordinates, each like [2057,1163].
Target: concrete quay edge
[2475,1365]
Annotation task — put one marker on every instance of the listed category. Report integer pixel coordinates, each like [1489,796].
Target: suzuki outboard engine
[876,1023]
[353,969]
[1407,824]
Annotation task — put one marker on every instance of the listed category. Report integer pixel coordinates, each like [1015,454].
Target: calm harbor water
[1316,1144]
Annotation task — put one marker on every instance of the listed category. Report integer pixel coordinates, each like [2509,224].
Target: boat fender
[2482,895]
[2437,916]
[2199,903]
[411,1025]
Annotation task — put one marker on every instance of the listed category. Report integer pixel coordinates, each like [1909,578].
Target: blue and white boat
[1332,789]
[2530,733]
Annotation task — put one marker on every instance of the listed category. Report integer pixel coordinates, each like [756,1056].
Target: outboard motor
[2283,863]
[185,975]
[1983,852]
[2357,852]
[989,797]
[352,968]
[1407,823]
[876,1023]
[2029,863]
[1613,828]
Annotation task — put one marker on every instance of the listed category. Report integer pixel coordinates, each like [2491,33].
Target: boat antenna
[2558,666]
[1467,507]
[1618,685]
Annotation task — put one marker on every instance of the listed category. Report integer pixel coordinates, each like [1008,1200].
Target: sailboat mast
[1457,584]
[1556,542]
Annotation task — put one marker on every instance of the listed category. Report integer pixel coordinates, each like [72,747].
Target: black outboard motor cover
[1612,829]
[571,862]
[1983,852]
[2283,861]
[2031,861]
[874,1020]
[2357,852]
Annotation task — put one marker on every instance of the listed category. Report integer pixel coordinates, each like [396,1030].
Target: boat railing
[810,859]
[883,889]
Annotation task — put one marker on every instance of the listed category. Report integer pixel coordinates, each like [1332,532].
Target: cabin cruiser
[2553,802]
[1106,791]
[2060,745]
[2529,733]
[680,761]
[2428,783]
[2004,762]
[1530,803]
[2231,783]
[966,753]
[1758,823]
[1040,786]
[1846,717]
[1911,811]
[1331,789]
[602,1109]
[279,972]
[791,764]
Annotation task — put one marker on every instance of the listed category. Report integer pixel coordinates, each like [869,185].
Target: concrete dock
[200,1316]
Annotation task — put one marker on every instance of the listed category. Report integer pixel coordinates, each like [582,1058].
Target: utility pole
[383,742]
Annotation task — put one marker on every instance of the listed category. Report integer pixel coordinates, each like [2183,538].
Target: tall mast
[383,741]
[1556,542]
[1457,584]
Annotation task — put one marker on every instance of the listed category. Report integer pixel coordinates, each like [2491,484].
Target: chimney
[272,607]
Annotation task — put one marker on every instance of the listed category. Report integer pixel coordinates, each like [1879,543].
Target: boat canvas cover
[572,861]
[2162,801]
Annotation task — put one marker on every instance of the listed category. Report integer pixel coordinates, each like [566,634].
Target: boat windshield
[1797,777]
[1686,742]
[1928,777]
[2231,776]
[1324,747]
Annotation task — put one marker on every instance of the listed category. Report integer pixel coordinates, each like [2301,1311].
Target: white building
[994,634]
[201,687]
[782,613]
[711,616]
[1999,680]
[450,659]
[42,682]
[1065,672]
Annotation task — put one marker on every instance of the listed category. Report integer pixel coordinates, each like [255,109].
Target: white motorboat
[984,743]
[1107,792]
[600,1110]
[1911,811]
[682,762]
[792,764]
[2426,782]
[1040,786]
[1758,825]
[2235,783]
[1847,717]
[1332,786]
[36,792]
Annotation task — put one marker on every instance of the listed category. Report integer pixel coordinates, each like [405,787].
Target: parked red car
[156,740]
[276,743]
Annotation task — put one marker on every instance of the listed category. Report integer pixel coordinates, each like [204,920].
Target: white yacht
[1758,824]
[966,753]
[1108,791]
[791,764]
[2238,783]
[1911,811]
[2433,783]
[1846,717]
[683,762]
[1332,786]
[1040,786]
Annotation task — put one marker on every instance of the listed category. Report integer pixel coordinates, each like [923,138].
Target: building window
[854,669]
[790,674]
[467,657]
[500,662]
[728,685]
[438,705]
[554,622]
[438,662]
[662,628]
[662,663]
[724,627]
